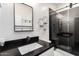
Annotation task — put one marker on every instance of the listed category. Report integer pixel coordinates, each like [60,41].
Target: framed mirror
[23,14]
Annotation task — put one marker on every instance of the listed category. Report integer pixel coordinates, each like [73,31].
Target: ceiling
[53,6]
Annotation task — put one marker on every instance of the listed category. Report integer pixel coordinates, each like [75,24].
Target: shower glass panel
[59,28]
[70,25]
[64,38]
[74,27]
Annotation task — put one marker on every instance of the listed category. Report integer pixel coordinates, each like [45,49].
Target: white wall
[40,11]
[7,22]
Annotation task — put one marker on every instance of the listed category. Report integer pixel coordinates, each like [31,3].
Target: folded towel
[28,48]
[2,41]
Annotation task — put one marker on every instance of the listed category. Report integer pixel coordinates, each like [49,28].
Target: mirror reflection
[23,17]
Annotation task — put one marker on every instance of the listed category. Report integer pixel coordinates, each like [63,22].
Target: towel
[28,48]
[2,41]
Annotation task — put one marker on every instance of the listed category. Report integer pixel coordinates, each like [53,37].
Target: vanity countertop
[36,52]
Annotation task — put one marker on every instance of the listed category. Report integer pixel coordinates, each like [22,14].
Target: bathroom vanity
[21,48]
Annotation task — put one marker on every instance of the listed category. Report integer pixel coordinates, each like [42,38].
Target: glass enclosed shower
[64,25]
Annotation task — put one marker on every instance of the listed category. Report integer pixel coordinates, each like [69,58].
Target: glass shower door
[64,34]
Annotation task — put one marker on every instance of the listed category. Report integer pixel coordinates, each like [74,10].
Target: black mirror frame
[14,19]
